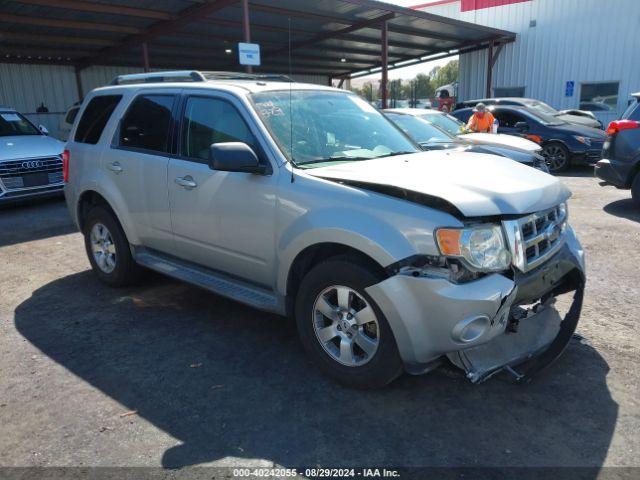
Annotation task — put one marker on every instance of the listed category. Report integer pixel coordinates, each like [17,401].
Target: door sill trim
[213,281]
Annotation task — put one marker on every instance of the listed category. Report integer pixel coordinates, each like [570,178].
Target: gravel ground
[167,374]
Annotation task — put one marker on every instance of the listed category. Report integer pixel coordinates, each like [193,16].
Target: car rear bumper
[431,317]
[613,172]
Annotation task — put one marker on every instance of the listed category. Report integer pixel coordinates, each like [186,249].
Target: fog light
[470,329]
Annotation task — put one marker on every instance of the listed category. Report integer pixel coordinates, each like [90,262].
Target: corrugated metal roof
[327,36]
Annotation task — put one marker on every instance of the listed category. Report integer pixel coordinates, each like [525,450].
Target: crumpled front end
[496,322]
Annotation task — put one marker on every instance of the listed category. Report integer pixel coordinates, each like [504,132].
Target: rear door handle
[115,167]
[187,182]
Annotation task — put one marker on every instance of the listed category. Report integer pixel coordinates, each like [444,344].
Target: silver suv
[304,200]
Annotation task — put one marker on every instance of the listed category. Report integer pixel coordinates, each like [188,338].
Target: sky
[412,71]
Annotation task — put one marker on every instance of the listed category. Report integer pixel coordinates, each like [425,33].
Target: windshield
[420,130]
[13,124]
[449,124]
[328,126]
[541,107]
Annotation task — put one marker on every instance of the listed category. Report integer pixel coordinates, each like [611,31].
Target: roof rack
[273,77]
[195,76]
[159,77]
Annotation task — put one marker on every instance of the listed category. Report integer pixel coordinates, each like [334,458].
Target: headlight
[482,248]
[585,140]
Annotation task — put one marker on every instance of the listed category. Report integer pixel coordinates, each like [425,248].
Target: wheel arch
[316,253]
[93,197]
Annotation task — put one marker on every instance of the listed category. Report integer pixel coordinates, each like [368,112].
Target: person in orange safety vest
[481,120]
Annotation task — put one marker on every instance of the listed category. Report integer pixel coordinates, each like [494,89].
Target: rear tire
[341,327]
[557,157]
[635,190]
[108,249]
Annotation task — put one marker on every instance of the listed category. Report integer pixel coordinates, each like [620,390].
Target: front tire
[341,327]
[108,249]
[557,157]
[635,190]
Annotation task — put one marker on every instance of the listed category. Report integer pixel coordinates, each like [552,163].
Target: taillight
[65,165]
[620,125]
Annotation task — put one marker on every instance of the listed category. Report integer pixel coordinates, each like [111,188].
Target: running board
[215,282]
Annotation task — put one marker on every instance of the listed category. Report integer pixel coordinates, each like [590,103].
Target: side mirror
[43,129]
[522,126]
[234,157]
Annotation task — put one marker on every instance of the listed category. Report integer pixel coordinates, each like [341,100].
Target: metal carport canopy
[336,38]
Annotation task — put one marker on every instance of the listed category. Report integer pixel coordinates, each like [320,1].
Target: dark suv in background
[620,164]
[562,143]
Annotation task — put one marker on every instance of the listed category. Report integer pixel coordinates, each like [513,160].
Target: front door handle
[115,167]
[187,182]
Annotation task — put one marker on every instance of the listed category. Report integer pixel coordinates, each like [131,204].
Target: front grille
[31,172]
[536,237]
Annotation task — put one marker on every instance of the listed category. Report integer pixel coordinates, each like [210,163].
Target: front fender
[385,239]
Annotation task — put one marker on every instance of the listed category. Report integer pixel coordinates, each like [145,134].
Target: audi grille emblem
[32,164]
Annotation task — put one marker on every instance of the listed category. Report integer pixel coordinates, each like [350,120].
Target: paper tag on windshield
[10,117]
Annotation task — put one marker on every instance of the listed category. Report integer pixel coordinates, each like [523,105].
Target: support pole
[385,62]
[246,29]
[79,83]
[490,63]
[145,57]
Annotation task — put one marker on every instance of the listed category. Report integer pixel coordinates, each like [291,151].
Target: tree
[424,86]
[445,75]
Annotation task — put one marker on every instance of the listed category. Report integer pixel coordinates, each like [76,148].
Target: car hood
[476,184]
[582,130]
[513,153]
[29,146]
[578,120]
[501,140]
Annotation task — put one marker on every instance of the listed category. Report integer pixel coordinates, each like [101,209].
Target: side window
[211,120]
[95,117]
[508,119]
[146,124]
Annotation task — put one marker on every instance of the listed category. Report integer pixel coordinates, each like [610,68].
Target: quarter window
[599,97]
[95,117]
[211,120]
[147,122]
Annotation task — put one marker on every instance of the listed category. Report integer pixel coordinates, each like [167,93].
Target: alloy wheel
[555,156]
[346,326]
[103,248]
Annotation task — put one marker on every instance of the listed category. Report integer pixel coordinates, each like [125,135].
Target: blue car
[563,144]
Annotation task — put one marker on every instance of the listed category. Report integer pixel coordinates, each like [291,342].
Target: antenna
[293,178]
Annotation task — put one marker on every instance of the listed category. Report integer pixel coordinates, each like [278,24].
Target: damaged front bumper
[481,326]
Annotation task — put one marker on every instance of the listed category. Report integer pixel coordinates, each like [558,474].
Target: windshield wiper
[396,154]
[334,159]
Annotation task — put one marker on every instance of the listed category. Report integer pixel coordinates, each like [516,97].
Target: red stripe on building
[467,5]
[433,3]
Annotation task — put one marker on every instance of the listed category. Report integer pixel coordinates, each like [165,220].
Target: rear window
[146,124]
[95,117]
